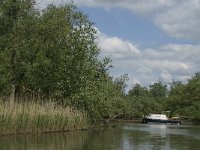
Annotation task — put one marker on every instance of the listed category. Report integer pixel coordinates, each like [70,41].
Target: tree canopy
[52,54]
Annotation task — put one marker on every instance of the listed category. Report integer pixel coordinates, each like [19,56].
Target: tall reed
[32,117]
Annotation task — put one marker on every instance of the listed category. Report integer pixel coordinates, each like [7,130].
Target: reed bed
[32,117]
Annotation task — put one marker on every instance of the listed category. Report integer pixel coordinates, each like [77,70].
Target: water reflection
[155,136]
[124,137]
[53,141]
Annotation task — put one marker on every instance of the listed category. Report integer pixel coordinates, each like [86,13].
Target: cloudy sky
[150,40]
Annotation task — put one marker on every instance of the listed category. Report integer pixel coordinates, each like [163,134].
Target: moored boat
[161,118]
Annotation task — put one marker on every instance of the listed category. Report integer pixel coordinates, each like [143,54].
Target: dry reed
[24,117]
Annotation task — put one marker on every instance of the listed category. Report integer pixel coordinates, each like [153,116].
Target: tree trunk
[12,95]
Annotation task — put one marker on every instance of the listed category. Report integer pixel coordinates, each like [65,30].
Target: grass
[19,118]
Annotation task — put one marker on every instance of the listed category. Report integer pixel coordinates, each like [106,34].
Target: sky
[150,40]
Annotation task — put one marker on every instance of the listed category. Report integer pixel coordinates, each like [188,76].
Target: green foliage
[175,98]
[52,54]
[121,82]
[185,99]
[191,99]
[158,91]
[192,90]
[142,102]
[139,91]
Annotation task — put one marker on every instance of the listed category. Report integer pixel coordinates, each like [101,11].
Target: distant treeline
[52,55]
[181,99]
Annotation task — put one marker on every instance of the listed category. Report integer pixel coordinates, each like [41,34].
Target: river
[120,137]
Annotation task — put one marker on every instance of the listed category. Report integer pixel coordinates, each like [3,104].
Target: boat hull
[147,120]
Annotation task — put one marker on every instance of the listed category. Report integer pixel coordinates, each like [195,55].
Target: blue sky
[132,27]
[150,40]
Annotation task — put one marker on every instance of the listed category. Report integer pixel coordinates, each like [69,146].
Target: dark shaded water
[122,137]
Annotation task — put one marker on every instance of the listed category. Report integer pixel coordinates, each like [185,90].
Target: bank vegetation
[52,77]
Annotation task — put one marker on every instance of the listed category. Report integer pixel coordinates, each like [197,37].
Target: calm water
[122,137]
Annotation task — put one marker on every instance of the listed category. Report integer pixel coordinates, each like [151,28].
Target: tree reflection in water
[123,137]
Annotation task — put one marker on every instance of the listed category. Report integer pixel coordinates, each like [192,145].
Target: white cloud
[117,47]
[168,63]
[178,18]
[139,6]
[182,20]
[134,81]
[166,77]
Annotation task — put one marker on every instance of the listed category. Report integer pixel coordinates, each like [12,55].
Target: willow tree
[158,91]
[190,104]
[12,15]
[53,53]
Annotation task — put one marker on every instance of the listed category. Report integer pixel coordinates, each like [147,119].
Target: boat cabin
[157,116]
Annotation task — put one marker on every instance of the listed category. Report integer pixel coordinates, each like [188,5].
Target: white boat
[161,118]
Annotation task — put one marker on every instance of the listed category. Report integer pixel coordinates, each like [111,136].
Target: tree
[192,90]
[175,98]
[138,91]
[185,99]
[12,16]
[142,102]
[158,91]
[57,58]
[120,82]
[190,106]
[53,54]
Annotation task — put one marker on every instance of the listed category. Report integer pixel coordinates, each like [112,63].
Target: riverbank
[139,121]
[32,117]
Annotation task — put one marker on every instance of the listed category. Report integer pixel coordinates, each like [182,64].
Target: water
[122,137]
